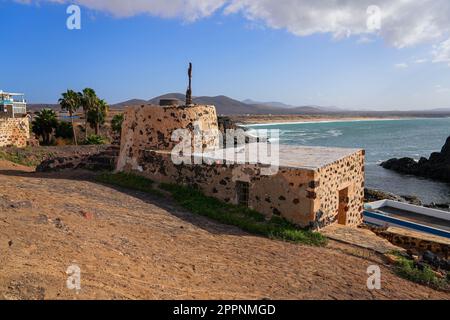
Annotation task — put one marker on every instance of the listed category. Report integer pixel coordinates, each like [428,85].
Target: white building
[12,105]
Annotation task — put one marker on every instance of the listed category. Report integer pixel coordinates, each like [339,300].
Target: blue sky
[142,54]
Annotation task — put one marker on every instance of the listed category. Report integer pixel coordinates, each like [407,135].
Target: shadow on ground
[162,202]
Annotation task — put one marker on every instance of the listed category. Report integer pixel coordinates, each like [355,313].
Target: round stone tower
[150,128]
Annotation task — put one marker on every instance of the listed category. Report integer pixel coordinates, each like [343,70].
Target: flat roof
[299,157]
[312,157]
[11,94]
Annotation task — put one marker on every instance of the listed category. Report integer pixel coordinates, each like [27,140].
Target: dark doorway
[242,191]
[343,206]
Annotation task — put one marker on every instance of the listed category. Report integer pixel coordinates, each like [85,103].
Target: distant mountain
[306,110]
[287,106]
[223,104]
[268,104]
[330,109]
[228,106]
[178,96]
[39,106]
[131,102]
[440,110]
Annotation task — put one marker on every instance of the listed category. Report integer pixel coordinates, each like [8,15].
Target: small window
[242,190]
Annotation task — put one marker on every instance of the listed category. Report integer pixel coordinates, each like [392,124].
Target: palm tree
[97,115]
[116,123]
[70,102]
[103,109]
[89,101]
[44,123]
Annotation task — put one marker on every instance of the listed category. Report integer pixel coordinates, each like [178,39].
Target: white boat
[403,215]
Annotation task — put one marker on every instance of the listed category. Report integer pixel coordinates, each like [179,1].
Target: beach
[282,119]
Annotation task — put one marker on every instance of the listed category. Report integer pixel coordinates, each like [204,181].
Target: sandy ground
[132,246]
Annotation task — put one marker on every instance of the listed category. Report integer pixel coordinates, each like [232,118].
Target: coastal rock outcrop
[371,195]
[226,123]
[436,167]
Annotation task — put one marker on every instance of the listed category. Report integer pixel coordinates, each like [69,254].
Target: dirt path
[135,247]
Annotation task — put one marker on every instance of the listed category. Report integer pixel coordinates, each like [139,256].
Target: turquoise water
[382,140]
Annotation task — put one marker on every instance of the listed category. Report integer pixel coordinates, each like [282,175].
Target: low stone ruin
[103,160]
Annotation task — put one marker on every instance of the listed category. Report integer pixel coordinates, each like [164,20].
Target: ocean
[382,140]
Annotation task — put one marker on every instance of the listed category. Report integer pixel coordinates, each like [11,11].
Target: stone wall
[96,158]
[14,132]
[413,240]
[283,194]
[149,127]
[305,195]
[345,175]
[308,198]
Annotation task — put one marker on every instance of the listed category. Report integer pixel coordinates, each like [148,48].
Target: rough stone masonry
[14,132]
[313,186]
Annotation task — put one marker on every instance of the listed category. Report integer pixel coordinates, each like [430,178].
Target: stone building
[12,105]
[14,124]
[14,132]
[312,186]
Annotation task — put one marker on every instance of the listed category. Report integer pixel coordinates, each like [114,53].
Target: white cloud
[404,23]
[189,10]
[401,65]
[441,52]
[440,89]
[365,39]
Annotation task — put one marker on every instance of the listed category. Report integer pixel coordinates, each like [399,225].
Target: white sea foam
[335,133]
[325,121]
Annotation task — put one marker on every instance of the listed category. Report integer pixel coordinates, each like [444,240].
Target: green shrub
[45,121]
[116,123]
[94,140]
[15,157]
[64,130]
[127,180]
[242,217]
[408,269]
[28,156]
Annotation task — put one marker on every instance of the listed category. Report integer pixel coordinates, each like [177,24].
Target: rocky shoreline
[437,167]
[371,195]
